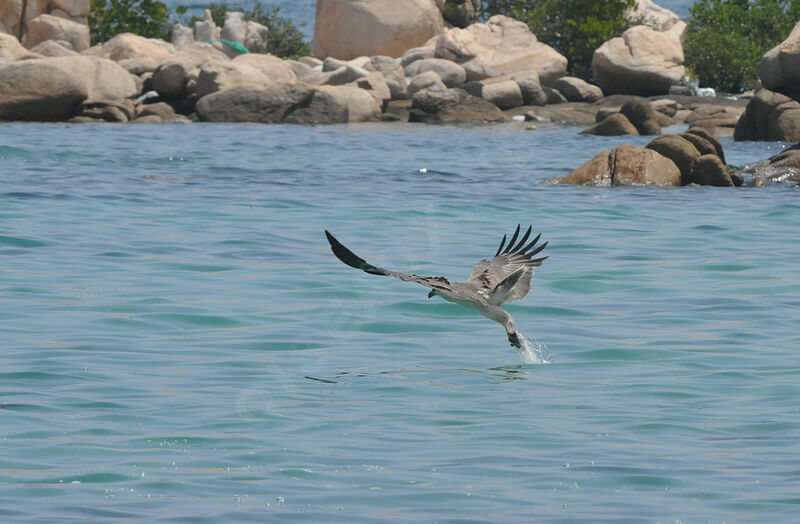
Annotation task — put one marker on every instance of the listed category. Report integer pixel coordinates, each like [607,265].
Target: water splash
[532,352]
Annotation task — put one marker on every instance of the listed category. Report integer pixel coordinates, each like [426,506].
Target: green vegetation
[727,38]
[108,18]
[285,39]
[574,28]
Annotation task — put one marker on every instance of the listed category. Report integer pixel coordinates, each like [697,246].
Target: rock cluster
[774,111]
[694,157]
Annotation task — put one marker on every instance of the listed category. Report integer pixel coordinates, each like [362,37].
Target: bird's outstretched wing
[353,260]
[507,276]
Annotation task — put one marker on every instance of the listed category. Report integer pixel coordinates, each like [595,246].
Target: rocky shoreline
[422,63]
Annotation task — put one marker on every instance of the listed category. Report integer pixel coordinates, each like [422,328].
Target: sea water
[179,344]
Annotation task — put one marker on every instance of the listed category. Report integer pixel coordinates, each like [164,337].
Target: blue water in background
[301,12]
[179,344]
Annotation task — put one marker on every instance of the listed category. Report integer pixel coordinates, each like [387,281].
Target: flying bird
[504,278]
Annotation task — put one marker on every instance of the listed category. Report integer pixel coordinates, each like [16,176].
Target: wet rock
[709,170]
[769,116]
[625,165]
[614,125]
[681,151]
[641,115]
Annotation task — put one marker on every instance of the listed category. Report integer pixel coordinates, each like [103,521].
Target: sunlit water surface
[179,344]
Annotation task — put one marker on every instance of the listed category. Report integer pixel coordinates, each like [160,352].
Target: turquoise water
[179,344]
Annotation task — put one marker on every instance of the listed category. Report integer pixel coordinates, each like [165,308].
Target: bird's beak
[432,293]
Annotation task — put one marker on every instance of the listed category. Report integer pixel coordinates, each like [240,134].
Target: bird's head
[432,294]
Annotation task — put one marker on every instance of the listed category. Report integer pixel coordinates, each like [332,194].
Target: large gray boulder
[769,116]
[288,103]
[348,29]
[642,61]
[275,69]
[104,79]
[450,106]
[500,46]
[780,67]
[38,90]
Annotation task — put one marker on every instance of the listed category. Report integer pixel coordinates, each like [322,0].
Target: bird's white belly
[460,302]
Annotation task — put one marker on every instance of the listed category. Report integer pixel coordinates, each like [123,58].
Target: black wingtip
[344,254]
[350,258]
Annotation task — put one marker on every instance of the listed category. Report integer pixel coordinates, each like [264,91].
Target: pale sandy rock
[275,69]
[234,28]
[417,53]
[452,74]
[361,105]
[11,49]
[38,90]
[176,76]
[332,64]
[48,27]
[576,90]
[54,48]
[181,35]
[257,37]
[642,62]
[310,61]
[350,28]
[426,80]
[678,31]
[217,76]
[206,30]
[129,45]
[393,74]
[780,67]
[530,87]
[505,94]
[649,13]
[104,79]
[500,46]
[375,84]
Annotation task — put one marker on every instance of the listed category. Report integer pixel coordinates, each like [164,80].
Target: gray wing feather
[353,260]
[488,274]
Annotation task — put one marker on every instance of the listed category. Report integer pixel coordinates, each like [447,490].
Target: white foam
[533,352]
